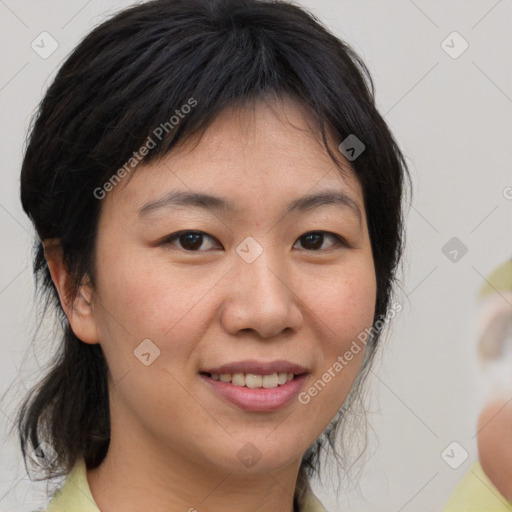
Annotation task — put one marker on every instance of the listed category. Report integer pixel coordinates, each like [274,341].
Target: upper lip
[258,367]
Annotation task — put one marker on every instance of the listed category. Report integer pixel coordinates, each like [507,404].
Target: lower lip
[258,399]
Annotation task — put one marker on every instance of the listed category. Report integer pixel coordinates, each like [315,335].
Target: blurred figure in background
[487,485]
[495,355]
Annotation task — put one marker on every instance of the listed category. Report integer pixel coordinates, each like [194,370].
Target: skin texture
[495,444]
[174,441]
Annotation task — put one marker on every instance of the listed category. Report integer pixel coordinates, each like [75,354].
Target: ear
[79,311]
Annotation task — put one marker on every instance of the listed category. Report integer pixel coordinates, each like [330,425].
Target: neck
[133,478]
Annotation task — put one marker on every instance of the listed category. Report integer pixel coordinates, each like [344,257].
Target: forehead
[258,153]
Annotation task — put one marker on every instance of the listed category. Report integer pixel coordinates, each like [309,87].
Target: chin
[257,456]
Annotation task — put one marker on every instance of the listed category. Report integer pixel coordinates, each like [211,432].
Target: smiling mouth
[253,381]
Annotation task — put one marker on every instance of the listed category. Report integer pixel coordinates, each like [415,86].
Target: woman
[218,206]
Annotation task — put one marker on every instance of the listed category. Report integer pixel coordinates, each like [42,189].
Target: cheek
[142,299]
[345,303]
[343,309]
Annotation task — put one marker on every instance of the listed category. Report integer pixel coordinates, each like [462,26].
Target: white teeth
[253,381]
[238,379]
[282,378]
[250,380]
[270,381]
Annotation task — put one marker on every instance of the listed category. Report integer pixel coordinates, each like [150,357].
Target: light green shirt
[476,493]
[75,495]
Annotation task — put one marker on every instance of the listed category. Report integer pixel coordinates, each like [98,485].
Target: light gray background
[452,119]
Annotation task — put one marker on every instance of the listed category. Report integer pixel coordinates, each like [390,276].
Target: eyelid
[169,239]
[340,240]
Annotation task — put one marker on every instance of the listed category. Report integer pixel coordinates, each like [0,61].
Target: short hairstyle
[125,78]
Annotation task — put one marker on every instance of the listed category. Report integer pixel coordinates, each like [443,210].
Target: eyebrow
[177,198]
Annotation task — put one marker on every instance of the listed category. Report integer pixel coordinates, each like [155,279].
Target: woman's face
[246,286]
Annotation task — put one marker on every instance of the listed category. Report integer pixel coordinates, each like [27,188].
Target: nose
[261,299]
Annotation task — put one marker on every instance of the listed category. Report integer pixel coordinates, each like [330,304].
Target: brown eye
[314,240]
[189,241]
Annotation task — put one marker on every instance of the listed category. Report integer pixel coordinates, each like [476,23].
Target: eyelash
[340,241]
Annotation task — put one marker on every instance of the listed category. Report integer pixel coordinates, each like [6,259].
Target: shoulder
[311,503]
[475,493]
[75,494]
